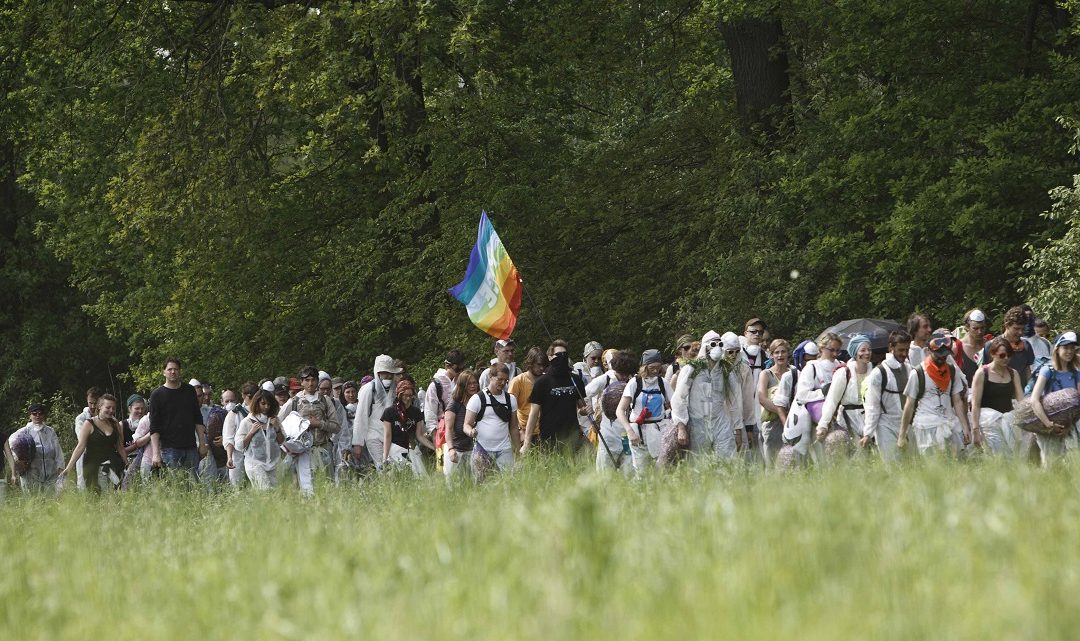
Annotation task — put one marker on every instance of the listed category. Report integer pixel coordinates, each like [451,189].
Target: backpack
[885,384]
[655,400]
[609,402]
[794,382]
[1052,384]
[1036,368]
[920,373]
[440,429]
[484,404]
[752,360]
[214,426]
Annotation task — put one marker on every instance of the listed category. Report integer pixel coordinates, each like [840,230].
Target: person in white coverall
[884,402]
[813,378]
[707,404]
[747,412]
[844,403]
[374,398]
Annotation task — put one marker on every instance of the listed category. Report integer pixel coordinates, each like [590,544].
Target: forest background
[252,186]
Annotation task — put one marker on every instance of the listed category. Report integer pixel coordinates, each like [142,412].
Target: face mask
[229,406]
[559,365]
[595,371]
[716,353]
[753,350]
[386,383]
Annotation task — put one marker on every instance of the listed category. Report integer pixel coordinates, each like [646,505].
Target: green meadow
[981,550]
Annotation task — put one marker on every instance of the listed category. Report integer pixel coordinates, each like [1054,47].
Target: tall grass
[942,551]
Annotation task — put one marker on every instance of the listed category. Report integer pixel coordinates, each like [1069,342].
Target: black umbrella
[876,329]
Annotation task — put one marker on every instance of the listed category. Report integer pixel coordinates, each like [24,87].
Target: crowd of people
[749,397]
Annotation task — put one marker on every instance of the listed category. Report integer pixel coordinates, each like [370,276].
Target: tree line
[252,185]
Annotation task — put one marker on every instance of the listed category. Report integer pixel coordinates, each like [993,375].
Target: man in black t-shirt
[1023,357]
[557,398]
[177,433]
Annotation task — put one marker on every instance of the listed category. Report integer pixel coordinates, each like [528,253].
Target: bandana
[940,374]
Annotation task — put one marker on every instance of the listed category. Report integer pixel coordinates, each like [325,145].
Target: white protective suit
[709,401]
[237,475]
[47,461]
[814,376]
[845,400]
[371,402]
[607,458]
[884,405]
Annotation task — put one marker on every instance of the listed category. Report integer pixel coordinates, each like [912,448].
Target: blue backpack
[654,400]
[1036,369]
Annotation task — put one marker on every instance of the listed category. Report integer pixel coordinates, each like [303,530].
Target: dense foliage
[254,185]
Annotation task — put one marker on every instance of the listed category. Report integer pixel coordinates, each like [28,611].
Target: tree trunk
[759,65]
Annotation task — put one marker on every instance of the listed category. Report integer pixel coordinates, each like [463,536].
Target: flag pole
[535,309]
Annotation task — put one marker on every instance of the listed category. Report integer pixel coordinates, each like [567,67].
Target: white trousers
[646,453]
[718,441]
[772,439]
[261,479]
[458,468]
[936,434]
[236,475]
[609,449]
[1000,437]
[885,439]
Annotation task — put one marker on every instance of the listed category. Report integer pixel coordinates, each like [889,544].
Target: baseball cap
[650,356]
[1067,338]
[504,342]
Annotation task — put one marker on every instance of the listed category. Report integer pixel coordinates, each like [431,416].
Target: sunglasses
[713,344]
[729,352]
[36,413]
[685,348]
[753,331]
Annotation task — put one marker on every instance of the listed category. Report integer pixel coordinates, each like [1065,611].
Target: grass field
[974,551]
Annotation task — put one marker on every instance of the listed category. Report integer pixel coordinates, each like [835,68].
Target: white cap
[194,382]
[730,340]
[323,376]
[384,363]
[268,386]
[709,336]
[976,316]
[1068,338]
[811,349]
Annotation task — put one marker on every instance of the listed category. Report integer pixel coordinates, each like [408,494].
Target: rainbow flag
[491,289]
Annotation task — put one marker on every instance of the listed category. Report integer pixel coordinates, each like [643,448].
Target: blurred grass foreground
[987,550]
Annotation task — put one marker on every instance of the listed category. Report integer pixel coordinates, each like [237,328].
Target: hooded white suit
[367,429]
[710,404]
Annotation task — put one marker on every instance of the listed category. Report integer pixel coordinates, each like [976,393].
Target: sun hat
[384,363]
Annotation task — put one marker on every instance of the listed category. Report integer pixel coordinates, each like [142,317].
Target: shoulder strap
[884,385]
[640,385]
[483,405]
[921,373]
[438,393]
